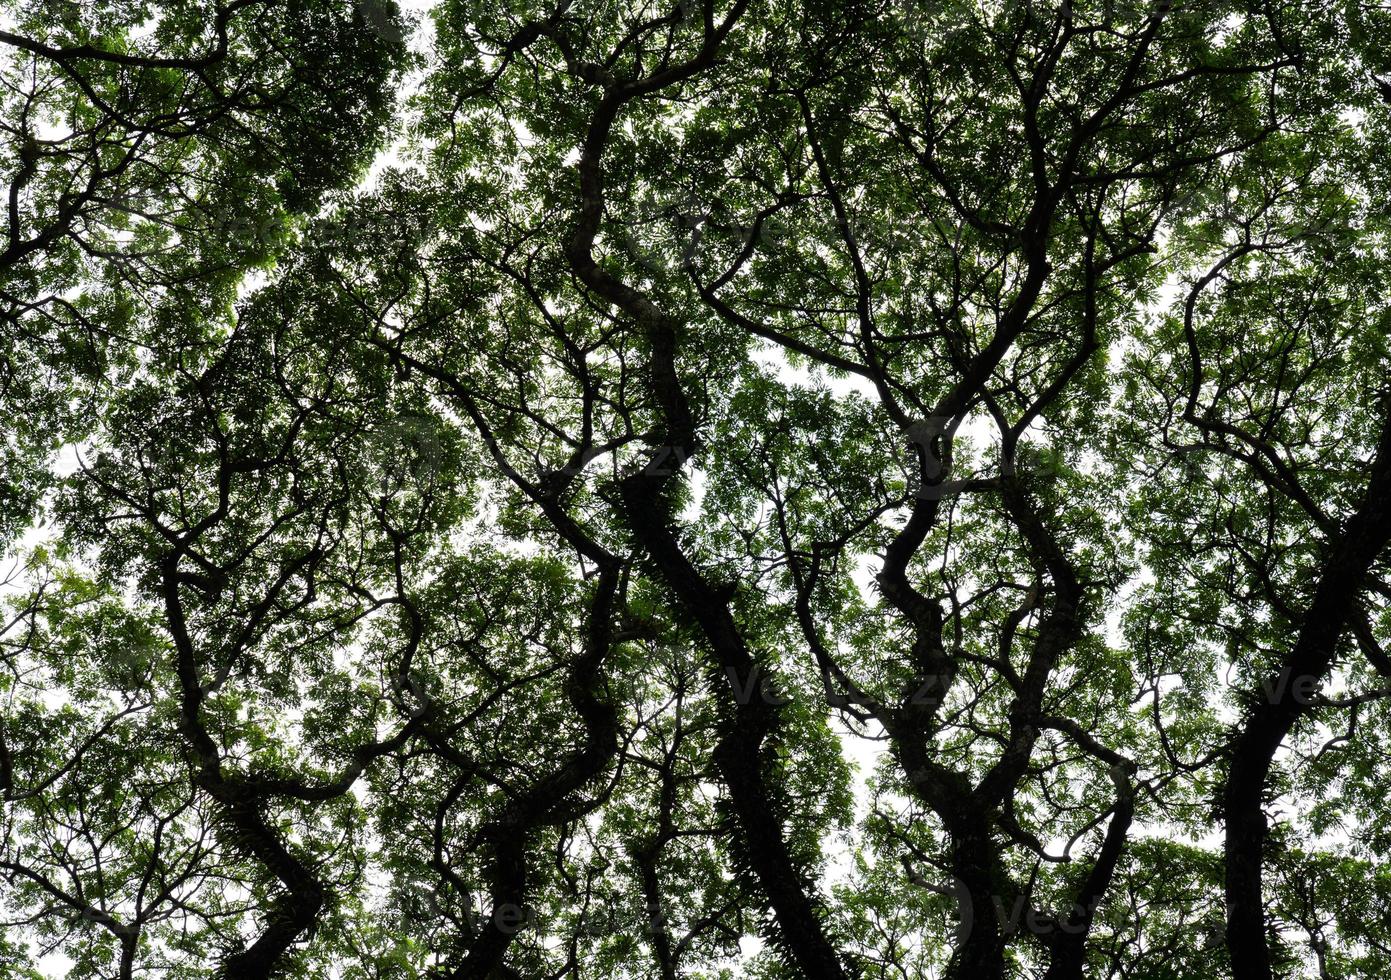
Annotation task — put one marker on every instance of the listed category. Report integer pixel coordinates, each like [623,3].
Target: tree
[498,568]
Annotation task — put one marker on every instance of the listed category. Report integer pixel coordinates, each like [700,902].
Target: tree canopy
[714,489]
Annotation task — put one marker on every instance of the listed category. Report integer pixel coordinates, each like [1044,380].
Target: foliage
[863,489]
